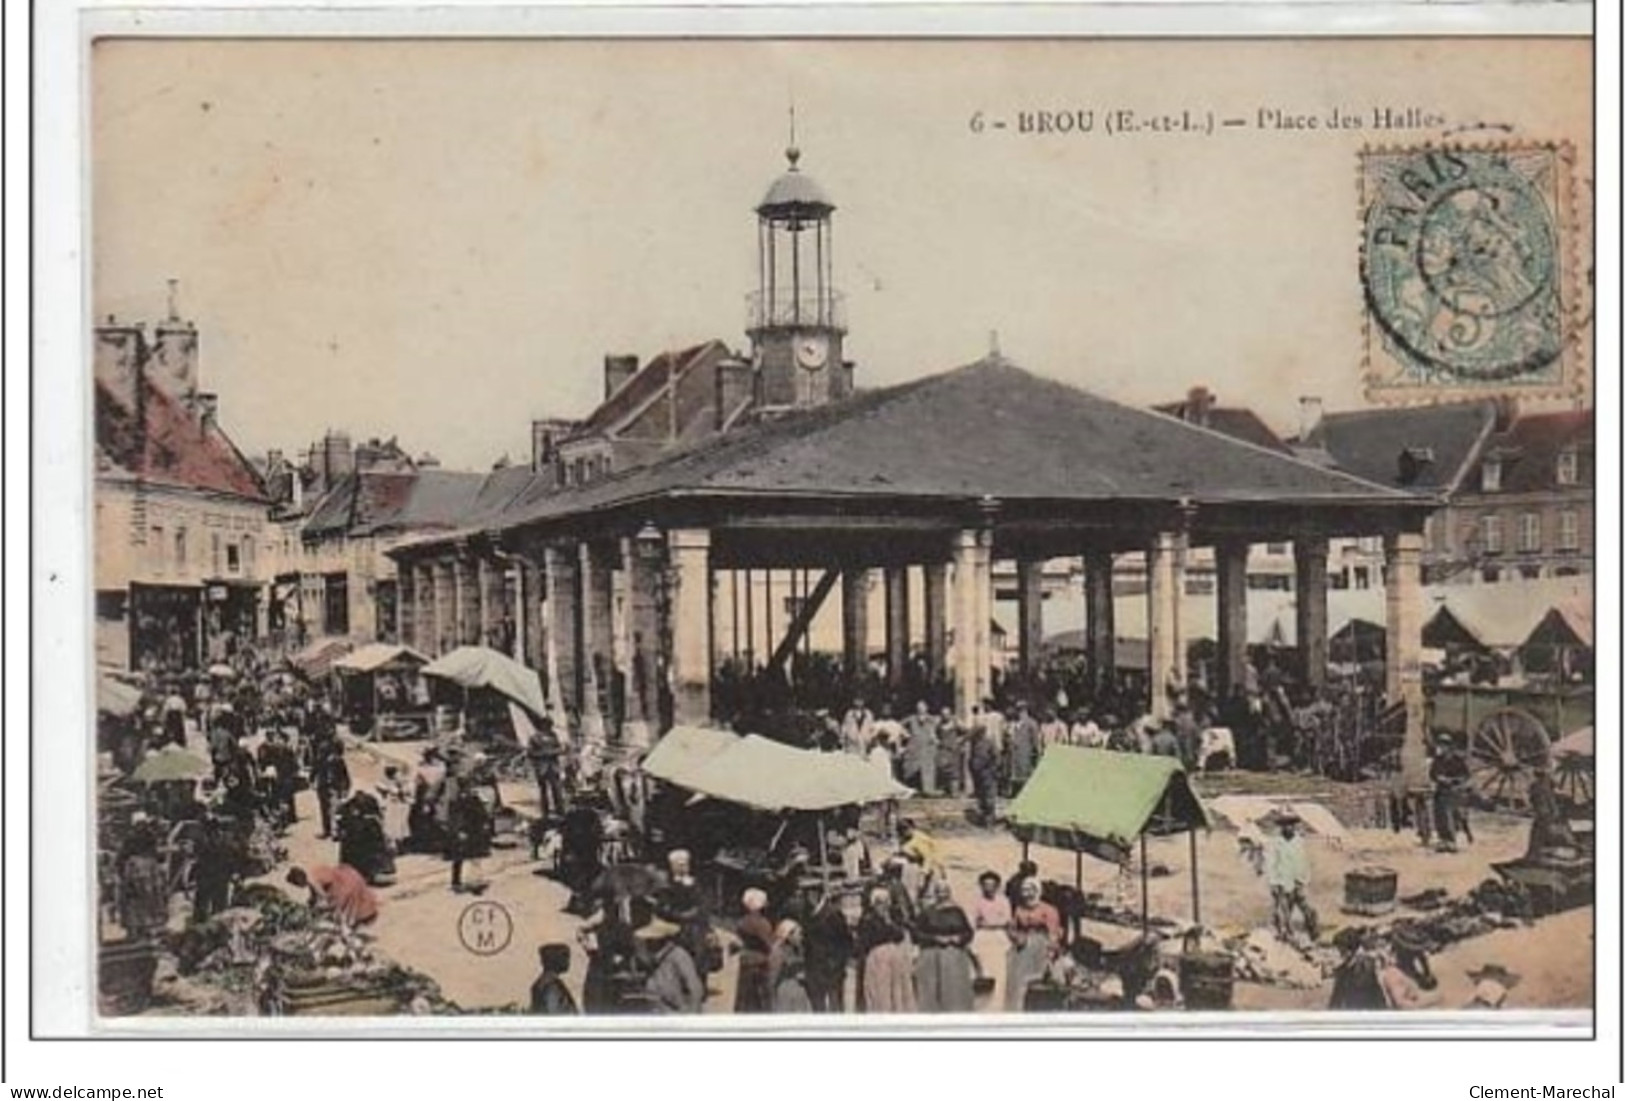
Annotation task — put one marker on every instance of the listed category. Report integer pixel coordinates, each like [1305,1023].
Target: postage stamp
[1467,267]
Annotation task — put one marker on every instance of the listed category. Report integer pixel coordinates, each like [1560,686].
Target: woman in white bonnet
[754,993]
[787,970]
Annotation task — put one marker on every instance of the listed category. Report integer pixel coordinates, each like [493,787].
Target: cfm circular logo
[485,927]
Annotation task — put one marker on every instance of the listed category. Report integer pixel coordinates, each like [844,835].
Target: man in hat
[982,761]
[330,777]
[1449,775]
[544,753]
[1165,741]
[674,985]
[548,994]
[1024,748]
[1286,869]
[920,750]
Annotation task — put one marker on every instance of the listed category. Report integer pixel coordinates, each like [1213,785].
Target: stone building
[1519,487]
[181,523]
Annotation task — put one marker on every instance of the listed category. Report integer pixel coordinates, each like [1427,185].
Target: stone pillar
[972,595]
[562,617]
[1230,558]
[689,551]
[485,609]
[428,619]
[529,620]
[1164,584]
[1403,551]
[896,624]
[645,568]
[855,619]
[936,619]
[445,619]
[1029,613]
[406,613]
[1101,625]
[1309,560]
[597,639]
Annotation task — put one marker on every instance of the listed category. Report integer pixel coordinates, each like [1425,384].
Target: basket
[1207,979]
[1370,891]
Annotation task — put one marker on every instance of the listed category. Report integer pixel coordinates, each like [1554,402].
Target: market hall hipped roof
[988,430]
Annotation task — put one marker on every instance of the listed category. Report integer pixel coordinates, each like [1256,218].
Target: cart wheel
[1503,754]
[1574,779]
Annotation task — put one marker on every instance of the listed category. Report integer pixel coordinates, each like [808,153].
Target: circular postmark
[485,927]
[1460,265]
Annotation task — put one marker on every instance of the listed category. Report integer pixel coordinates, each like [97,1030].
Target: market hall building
[777,461]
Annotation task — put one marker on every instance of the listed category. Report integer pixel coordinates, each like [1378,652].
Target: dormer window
[1568,467]
[1412,462]
[1492,475]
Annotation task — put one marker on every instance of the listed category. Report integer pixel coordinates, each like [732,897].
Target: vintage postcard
[841,531]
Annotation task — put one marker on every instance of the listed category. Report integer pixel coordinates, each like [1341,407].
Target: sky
[439,240]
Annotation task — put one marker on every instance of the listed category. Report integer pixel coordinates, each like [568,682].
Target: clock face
[811,352]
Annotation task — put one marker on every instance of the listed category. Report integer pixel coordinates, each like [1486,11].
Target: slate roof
[650,380]
[987,429]
[1236,422]
[176,449]
[1530,446]
[375,502]
[1368,443]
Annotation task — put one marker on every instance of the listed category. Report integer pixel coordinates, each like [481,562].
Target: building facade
[181,525]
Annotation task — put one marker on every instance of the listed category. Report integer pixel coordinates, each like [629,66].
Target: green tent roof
[1098,801]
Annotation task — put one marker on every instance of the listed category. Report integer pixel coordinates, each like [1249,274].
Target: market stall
[381,690]
[484,682]
[766,799]
[1099,802]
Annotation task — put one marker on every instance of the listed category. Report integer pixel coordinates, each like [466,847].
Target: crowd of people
[890,938]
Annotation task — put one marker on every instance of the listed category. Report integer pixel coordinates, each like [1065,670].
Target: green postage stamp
[1468,269]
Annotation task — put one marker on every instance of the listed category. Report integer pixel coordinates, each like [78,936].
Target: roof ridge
[1282,456]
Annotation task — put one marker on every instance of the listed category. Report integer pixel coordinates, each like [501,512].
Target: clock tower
[796,318]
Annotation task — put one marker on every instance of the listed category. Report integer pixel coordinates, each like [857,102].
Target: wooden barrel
[125,971]
[1370,891]
[1207,980]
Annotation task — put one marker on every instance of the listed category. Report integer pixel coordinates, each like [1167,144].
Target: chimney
[734,386]
[208,410]
[174,351]
[338,460]
[546,433]
[1506,412]
[1199,406]
[1310,413]
[618,369]
[120,348]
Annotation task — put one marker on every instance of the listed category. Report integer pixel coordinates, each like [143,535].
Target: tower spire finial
[792,152]
[174,299]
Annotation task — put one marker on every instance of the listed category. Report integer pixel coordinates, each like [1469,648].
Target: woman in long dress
[754,993]
[1035,937]
[787,970]
[886,979]
[945,968]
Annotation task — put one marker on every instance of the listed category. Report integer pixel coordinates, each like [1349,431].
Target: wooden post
[1196,887]
[1145,892]
[823,851]
[1078,869]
